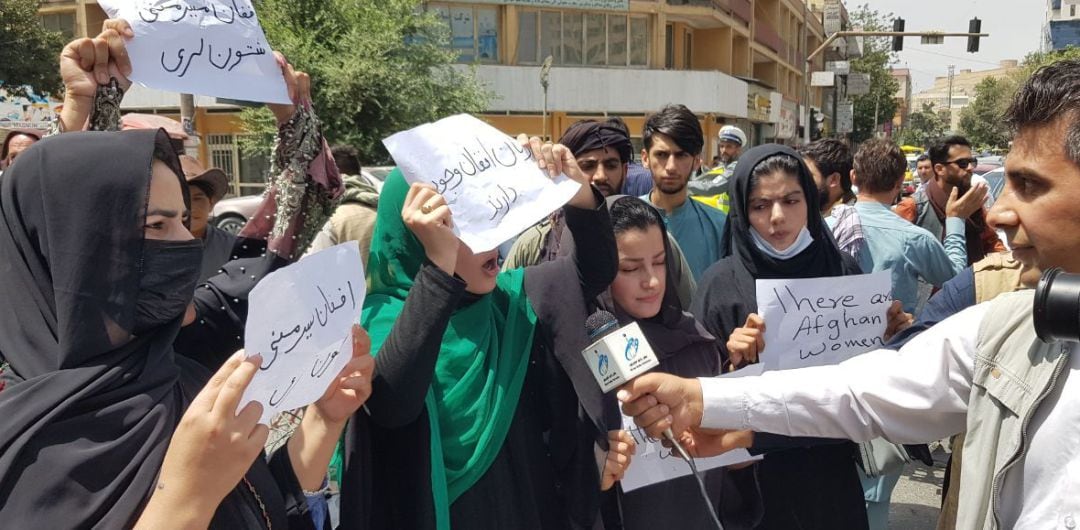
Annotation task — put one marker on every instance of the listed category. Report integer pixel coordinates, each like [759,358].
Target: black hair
[778,162]
[832,156]
[204,187]
[678,123]
[939,152]
[1050,94]
[922,157]
[347,159]
[632,213]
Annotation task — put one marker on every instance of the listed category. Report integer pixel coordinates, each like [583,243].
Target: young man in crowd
[953,165]
[207,187]
[602,150]
[673,141]
[985,370]
[829,161]
[924,169]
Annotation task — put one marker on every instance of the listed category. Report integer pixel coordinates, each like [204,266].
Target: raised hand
[557,159]
[211,449]
[746,343]
[967,204]
[299,87]
[428,216]
[88,62]
[352,386]
[620,453]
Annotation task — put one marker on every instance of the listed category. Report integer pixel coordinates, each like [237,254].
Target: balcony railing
[740,9]
[765,35]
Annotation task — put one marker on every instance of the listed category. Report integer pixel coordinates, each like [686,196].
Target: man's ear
[833,181]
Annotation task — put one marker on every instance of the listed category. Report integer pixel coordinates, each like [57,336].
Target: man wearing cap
[207,187]
[16,142]
[602,150]
[711,187]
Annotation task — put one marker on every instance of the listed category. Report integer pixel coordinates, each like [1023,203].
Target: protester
[89,373]
[207,187]
[982,369]
[639,180]
[602,150]
[953,165]
[924,169]
[480,394]
[891,243]
[673,142]
[775,231]
[354,218]
[15,142]
[640,294]
[830,161]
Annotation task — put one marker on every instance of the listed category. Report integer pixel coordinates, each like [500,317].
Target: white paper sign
[300,320]
[207,47]
[818,321]
[493,186]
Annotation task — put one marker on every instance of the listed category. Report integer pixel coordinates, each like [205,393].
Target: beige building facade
[963,90]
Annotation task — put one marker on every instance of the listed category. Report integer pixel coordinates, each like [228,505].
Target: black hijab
[87,410]
[727,292]
[672,330]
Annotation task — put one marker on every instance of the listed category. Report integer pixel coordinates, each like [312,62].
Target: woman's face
[639,286]
[778,209]
[478,270]
[165,211]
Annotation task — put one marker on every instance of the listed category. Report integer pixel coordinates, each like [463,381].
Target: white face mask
[801,243]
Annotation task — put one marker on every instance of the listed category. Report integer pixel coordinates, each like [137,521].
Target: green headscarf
[482,361]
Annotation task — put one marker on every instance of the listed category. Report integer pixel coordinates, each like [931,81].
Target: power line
[953,57]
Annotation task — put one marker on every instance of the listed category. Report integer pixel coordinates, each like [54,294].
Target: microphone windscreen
[599,323]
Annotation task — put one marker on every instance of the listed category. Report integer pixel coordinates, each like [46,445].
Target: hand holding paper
[558,160]
[490,181]
[352,386]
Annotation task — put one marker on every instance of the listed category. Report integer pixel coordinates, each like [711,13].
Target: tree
[28,52]
[376,68]
[879,106]
[981,121]
[924,126]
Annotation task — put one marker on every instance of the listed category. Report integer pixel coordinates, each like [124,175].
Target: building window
[474,31]
[669,47]
[247,171]
[1072,10]
[64,22]
[577,38]
[687,50]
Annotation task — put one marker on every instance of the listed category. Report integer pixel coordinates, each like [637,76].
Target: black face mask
[170,272]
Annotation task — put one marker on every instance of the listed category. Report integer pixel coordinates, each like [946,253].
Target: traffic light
[974,26]
[898,41]
[815,124]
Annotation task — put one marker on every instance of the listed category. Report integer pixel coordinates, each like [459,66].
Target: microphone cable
[697,476]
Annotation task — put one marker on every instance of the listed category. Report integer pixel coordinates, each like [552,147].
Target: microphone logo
[632,345]
[602,363]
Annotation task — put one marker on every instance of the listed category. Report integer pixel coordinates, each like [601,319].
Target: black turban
[585,136]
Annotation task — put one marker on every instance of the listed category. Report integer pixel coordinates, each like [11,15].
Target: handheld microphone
[618,355]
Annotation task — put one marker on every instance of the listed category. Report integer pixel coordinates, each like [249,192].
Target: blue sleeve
[955,242]
[933,263]
[956,295]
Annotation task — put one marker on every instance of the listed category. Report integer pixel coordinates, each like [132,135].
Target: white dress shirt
[915,395]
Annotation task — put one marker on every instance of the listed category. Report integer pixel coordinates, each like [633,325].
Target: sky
[1015,28]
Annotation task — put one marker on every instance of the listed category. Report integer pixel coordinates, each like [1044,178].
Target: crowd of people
[467,403]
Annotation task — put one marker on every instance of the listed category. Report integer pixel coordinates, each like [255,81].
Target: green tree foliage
[879,106]
[981,121]
[376,68]
[28,52]
[924,126]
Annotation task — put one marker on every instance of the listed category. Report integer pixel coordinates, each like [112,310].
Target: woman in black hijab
[772,233]
[96,271]
[644,292]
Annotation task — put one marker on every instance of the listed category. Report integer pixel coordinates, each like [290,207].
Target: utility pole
[187,114]
[952,69]
[545,71]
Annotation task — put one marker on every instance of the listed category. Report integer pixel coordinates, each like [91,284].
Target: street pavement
[916,500]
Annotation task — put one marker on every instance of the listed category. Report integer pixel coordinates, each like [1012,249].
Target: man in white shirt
[981,370]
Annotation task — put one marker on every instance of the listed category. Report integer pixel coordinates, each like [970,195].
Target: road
[916,500]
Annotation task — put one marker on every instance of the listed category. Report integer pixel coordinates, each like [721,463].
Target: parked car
[233,213]
[995,180]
